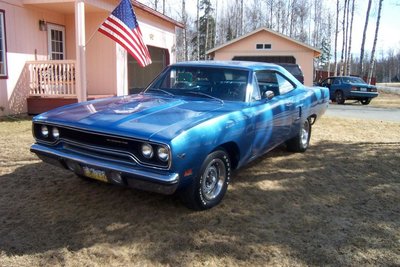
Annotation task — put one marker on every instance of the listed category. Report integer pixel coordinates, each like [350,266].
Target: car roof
[342,77]
[249,65]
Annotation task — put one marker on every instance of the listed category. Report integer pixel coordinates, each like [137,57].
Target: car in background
[294,69]
[342,88]
[186,133]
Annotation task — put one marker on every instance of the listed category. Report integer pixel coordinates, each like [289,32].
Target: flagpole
[91,37]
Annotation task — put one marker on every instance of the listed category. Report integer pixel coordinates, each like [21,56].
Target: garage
[267,59]
[265,45]
[138,77]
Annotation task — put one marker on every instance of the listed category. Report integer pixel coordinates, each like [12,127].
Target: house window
[259,46]
[3,58]
[263,46]
[56,41]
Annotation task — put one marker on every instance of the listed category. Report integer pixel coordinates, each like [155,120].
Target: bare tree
[346,47]
[349,57]
[198,30]
[361,63]
[372,61]
[336,35]
[185,41]
[344,38]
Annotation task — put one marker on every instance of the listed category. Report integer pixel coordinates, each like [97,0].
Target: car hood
[138,116]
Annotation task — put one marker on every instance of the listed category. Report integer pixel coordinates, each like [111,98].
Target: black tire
[301,141]
[208,189]
[339,97]
[365,101]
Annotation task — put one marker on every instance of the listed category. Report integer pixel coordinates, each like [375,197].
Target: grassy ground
[386,101]
[336,204]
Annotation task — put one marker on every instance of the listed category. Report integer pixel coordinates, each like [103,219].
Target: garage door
[267,59]
[138,77]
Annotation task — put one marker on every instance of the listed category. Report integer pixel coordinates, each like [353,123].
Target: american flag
[122,27]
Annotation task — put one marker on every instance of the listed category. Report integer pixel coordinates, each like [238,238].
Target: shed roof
[317,52]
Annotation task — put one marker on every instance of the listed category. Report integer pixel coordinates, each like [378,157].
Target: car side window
[284,85]
[336,81]
[267,81]
[255,94]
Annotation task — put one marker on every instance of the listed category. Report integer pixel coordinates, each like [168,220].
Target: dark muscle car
[342,88]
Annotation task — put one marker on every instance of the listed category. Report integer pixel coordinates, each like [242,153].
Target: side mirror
[269,95]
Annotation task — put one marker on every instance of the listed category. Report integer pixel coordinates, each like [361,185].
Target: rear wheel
[339,97]
[365,101]
[208,189]
[301,141]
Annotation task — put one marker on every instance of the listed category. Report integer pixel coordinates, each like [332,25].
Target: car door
[272,117]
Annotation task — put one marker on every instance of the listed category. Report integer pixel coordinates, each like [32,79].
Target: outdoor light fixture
[42,25]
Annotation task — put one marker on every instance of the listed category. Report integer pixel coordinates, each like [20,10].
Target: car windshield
[207,82]
[353,80]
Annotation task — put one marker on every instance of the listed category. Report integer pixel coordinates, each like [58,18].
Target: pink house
[51,53]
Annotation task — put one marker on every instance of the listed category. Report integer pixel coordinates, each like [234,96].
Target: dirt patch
[336,204]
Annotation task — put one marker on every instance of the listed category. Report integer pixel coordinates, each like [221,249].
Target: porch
[59,56]
[52,83]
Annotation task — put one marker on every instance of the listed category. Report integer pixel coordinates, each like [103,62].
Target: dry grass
[336,204]
[385,100]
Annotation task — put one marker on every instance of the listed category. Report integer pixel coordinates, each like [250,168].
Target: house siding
[24,41]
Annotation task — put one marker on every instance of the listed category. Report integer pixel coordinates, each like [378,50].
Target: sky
[389,31]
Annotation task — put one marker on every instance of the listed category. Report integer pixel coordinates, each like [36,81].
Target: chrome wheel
[305,134]
[213,179]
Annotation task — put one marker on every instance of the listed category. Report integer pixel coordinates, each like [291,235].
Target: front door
[273,118]
[56,41]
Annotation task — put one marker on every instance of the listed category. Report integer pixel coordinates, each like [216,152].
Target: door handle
[289,104]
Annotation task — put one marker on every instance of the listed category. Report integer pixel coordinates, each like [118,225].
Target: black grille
[100,145]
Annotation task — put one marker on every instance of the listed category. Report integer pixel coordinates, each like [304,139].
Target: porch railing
[52,78]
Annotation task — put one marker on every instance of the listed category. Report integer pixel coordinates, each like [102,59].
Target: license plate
[363,89]
[95,174]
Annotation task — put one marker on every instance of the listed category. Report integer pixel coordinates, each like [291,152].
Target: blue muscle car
[186,132]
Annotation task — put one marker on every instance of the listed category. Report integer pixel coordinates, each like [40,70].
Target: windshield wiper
[206,95]
[160,90]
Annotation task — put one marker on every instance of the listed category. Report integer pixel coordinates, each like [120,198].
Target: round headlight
[56,132]
[163,153]
[147,151]
[45,131]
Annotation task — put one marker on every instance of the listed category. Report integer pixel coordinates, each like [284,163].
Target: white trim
[55,27]
[3,35]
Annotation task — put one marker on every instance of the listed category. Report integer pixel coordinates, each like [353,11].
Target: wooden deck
[37,105]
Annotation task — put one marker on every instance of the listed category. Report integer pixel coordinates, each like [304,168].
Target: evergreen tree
[206,29]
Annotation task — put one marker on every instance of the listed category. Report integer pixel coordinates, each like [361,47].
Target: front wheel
[339,97]
[365,101]
[208,189]
[301,141]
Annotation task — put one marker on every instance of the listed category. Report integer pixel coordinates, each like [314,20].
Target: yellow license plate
[95,174]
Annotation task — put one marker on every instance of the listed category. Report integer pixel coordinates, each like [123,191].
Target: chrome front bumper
[160,182]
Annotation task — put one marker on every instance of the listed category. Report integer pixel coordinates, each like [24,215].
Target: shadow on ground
[335,204]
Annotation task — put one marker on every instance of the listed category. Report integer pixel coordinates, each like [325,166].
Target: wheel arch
[233,151]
